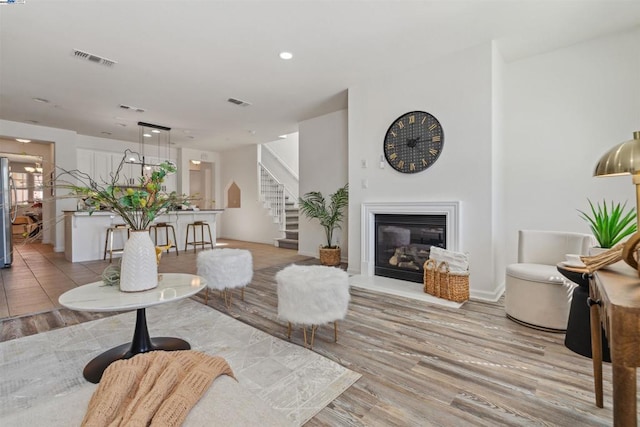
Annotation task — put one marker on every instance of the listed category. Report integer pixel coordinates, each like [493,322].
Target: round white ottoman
[224,270]
[312,295]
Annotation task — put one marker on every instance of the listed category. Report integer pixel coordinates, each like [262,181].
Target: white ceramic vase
[138,269]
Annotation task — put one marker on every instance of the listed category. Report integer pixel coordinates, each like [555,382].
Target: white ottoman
[312,295]
[225,270]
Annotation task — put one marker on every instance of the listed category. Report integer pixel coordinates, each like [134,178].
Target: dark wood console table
[614,297]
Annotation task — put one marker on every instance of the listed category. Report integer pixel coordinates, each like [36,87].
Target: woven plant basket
[440,282]
[330,256]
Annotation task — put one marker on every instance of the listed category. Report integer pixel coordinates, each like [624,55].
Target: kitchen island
[85,234]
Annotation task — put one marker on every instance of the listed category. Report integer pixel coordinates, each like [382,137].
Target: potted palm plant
[314,205]
[610,225]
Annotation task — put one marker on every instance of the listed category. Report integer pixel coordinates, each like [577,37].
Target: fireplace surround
[447,212]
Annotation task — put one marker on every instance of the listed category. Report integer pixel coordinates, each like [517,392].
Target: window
[28,187]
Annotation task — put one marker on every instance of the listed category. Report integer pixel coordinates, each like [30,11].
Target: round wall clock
[413,142]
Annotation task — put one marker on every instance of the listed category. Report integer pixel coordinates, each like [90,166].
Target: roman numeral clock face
[413,142]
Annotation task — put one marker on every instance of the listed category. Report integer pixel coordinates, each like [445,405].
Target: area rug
[39,369]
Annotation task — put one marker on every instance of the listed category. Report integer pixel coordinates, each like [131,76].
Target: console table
[97,296]
[614,297]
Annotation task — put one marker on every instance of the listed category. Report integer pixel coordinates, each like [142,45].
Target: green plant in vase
[314,205]
[138,206]
[610,225]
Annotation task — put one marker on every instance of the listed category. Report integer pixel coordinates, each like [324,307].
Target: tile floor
[38,275]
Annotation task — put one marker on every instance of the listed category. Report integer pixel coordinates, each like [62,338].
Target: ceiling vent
[93,58]
[129,107]
[238,102]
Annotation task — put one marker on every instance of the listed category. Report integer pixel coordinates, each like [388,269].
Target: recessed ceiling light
[146,135]
[42,100]
[155,131]
[286,55]
[23,140]
[282,136]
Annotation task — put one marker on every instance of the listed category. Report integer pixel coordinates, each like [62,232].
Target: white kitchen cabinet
[102,167]
[85,162]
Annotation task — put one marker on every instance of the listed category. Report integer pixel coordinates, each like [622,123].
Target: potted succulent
[610,224]
[314,205]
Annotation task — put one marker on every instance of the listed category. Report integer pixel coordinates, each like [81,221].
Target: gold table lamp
[624,159]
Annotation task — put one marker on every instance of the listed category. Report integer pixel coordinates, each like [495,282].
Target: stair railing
[273,193]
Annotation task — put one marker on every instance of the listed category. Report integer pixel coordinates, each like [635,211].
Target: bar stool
[194,242]
[167,242]
[108,242]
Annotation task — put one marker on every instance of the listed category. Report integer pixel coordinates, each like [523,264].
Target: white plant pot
[596,250]
[139,268]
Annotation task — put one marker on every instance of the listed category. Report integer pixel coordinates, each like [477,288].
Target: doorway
[201,184]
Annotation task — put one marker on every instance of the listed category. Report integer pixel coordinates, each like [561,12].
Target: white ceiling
[181,60]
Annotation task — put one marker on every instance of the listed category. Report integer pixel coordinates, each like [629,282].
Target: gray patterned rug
[41,372]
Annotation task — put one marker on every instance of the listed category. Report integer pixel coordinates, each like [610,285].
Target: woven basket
[441,282]
[330,256]
[430,278]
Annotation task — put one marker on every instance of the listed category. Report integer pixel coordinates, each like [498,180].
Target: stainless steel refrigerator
[7,213]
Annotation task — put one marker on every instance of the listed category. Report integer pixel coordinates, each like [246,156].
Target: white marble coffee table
[98,297]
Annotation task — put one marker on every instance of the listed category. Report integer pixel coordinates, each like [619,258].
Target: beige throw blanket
[156,388]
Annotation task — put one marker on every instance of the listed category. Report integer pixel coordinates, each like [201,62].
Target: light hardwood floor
[422,364]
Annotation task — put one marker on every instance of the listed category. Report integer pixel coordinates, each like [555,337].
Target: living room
[522,137]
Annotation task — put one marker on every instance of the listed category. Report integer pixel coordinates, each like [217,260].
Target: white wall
[287,150]
[498,171]
[251,222]
[457,90]
[563,111]
[280,158]
[323,167]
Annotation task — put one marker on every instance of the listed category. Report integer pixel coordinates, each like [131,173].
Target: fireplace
[413,227]
[403,243]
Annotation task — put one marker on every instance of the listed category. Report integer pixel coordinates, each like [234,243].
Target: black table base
[578,337]
[141,343]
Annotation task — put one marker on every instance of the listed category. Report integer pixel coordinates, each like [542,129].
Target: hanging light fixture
[154,146]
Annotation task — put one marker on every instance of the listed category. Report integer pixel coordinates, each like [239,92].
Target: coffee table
[98,297]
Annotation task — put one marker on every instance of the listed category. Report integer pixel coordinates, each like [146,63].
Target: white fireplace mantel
[451,210]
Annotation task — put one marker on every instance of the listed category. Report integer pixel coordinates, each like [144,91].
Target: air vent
[238,102]
[93,58]
[129,107]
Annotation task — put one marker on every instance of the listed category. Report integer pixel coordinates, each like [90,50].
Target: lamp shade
[622,159]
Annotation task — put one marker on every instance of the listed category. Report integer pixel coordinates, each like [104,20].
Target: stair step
[291,225]
[291,234]
[288,243]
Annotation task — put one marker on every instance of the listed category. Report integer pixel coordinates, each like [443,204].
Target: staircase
[284,211]
[290,240]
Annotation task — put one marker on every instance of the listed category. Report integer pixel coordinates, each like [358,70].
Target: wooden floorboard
[421,364]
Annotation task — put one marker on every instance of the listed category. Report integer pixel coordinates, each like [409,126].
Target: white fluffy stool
[312,295]
[225,270]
